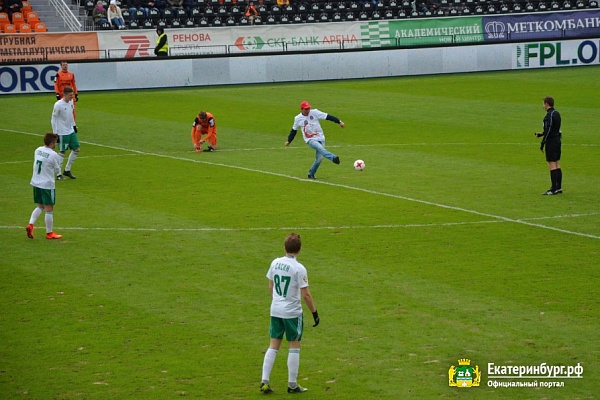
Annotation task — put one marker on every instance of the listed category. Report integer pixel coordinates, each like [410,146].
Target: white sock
[293,363]
[268,364]
[71,160]
[62,160]
[49,221]
[35,215]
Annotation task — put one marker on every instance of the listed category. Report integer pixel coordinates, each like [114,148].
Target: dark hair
[160,30]
[292,243]
[50,138]
[202,115]
[549,100]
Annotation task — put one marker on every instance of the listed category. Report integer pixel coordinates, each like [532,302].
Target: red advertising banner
[26,47]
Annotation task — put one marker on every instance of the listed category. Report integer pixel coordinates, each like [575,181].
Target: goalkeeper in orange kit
[204,129]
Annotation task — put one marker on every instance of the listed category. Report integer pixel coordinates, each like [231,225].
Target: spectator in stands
[148,5]
[12,6]
[99,14]
[160,5]
[175,5]
[281,3]
[189,6]
[134,6]
[114,15]
[251,12]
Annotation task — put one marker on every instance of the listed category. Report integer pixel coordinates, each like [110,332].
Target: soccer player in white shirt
[63,124]
[46,165]
[288,283]
[308,122]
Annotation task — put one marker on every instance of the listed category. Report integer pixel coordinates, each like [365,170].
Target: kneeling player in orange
[204,125]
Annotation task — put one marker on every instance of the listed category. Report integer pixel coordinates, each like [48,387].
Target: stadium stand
[213,13]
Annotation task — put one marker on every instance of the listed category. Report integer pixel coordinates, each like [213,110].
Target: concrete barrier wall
[154,73]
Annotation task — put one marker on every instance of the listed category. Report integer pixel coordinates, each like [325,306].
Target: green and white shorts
[46,197]
[292,327]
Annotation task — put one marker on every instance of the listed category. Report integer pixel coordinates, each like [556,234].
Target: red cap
[305,104]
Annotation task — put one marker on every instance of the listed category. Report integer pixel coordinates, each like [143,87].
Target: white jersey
[310,125]
[288,276]
[46,165]
[63,119]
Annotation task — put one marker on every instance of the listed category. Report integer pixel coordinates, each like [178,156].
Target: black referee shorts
[553,151]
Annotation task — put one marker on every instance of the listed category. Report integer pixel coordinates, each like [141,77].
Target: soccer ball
[359,165]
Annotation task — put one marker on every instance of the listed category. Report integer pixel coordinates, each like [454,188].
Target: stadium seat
[235,10]
[3,20]
[181,14]
[175,23]
[26,7]
[153,16]
[126,15]
[593,4]
[168,14]
[18,18]
[161,23]
[315,7]
[297,18]
[284,19]
[133,25]
[323,17]
[203,22]
[310,17]
[189,23]
[40,27]
[349,16]
[24,28]
[566,6]
[32,17]
[148,24]
[302,9]
[258,20]
[542,6]
[10,28]
[217,21]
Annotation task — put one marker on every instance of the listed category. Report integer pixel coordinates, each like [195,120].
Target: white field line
[426,202]
[313,228]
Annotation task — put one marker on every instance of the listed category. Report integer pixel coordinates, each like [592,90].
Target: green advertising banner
[419,32]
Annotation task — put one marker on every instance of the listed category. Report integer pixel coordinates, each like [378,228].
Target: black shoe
[208,150]
[311,176]
[60,178]
[548,192]
[558,191]
[265,388]
[297,389]
[70,175]
[336,160]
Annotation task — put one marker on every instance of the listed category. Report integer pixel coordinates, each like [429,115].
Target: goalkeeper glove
[316,318]
[57,96]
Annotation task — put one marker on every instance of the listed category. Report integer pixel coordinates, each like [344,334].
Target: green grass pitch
[442,248]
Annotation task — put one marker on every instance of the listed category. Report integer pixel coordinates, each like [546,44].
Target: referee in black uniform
[551,141]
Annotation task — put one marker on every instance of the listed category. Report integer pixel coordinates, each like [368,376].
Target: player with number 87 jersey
[288,283]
